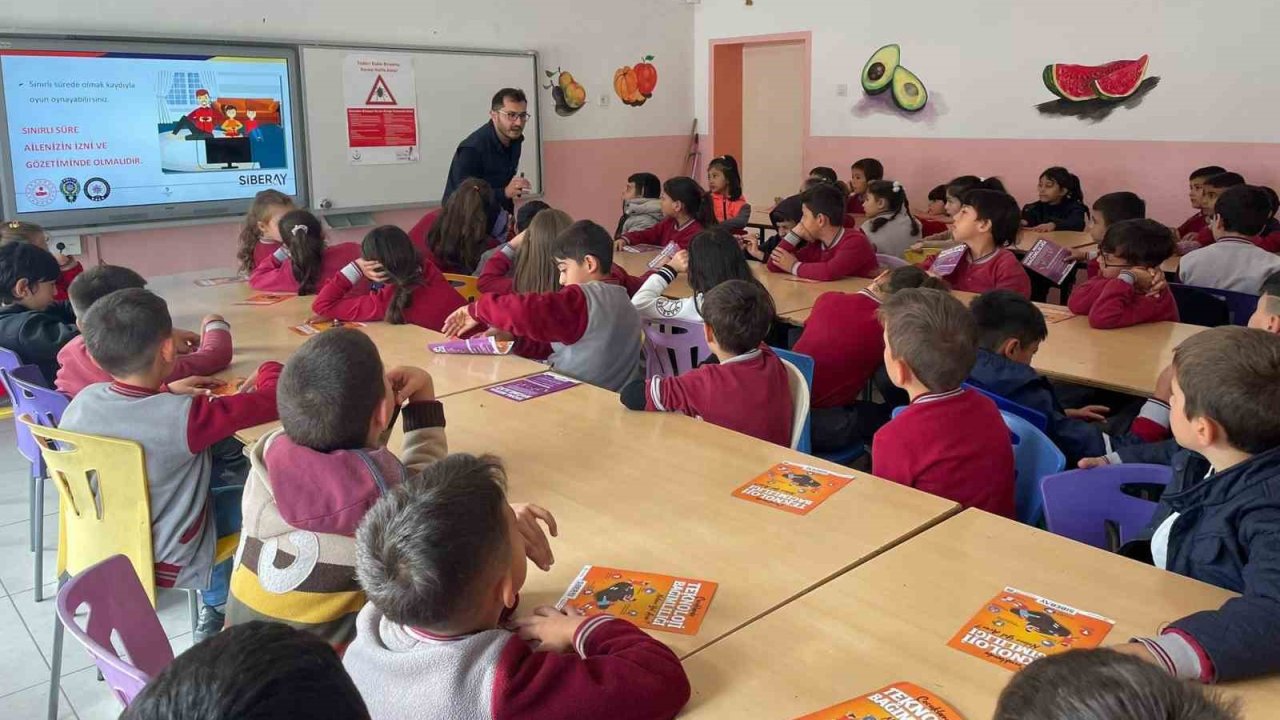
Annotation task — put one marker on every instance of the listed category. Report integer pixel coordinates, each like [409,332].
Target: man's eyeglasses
[513,116]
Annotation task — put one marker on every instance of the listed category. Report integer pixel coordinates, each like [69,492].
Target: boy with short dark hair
[32,324]
[262,671]
[1102,684]
[1210,191]
[588,329]
[1233,261]
[1130,288]
[819,247]
[1216,521]
[1194,224]
[1267,315]
[930,343]
[181,428]
[844,337]
[987,224]
[747,390]
[78,370]
[442,560]
[1010,330]
[1107,211]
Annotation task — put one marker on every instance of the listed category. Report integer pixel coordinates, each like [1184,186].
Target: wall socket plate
[604,100]
[65,244]
[842,90]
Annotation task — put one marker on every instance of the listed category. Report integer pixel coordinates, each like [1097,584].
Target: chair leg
[33,489]
[193,601]
[37,532]
[55,672]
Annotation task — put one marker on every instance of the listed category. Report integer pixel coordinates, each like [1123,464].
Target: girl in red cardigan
[987,224]
[408,289]
[686,210]
[303,260]
[260,233]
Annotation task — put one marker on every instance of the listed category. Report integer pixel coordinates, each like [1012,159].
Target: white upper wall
[589,38]
[982,63]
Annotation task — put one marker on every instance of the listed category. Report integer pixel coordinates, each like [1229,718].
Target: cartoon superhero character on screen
[201,121]
[617,592]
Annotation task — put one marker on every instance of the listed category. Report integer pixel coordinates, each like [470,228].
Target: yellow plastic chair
[465,285]
[915,257]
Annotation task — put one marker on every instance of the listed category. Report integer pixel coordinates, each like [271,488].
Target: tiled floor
[26,627]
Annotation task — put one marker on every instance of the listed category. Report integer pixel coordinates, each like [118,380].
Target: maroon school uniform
[951,444]
[498,274]
[429,304]
[851,255]
[748,394]
[998,271]
[1193,224]
[1204,237]
[846,341]
[1114,303]
[853,206]
[665,232]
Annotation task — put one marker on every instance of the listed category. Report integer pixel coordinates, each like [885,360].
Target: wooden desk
[652,492]
[789,294]
[1064,238]
[262,333]
[890,619]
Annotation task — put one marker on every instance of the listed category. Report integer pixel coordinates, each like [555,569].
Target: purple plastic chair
[673,347]
[890,261]
[1091,506]
[117,605]
[45,406]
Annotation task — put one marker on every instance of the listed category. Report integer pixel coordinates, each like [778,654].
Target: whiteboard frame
[306,116]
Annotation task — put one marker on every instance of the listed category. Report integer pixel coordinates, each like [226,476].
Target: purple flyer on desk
[662,257]
[532,387]
[948,260]
[1050,260]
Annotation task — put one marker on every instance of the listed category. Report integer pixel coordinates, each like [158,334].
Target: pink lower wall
[582,177]
[1156,171]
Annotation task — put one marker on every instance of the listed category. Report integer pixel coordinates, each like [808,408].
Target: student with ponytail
[408,288]
[303,260]
[457,234]
[686,210]
[526,263]
[1061,205]
[889,225]
[731,209]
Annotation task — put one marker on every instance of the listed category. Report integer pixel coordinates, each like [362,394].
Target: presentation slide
[91,130]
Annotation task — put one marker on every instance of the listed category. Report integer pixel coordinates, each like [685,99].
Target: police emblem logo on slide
[40,192]
[97,189]
[70,188]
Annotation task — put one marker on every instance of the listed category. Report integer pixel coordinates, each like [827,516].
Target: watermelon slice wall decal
[1093,92]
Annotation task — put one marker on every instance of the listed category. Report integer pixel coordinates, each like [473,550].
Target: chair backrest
[1082,504]
[1240,306]
[1034,456]
[45,406]
[1197,306]
[104,508]
[800,379]
[673,347]
[466,285]
[118,604]
[890,261]
[27,446]
[1035,417]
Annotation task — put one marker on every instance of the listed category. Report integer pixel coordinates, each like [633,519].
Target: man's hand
[550,629]
[412,384]
[195,386]
[536,545]
[517,187]
[460,322]
[1090,413]
[783,258]
[372,270]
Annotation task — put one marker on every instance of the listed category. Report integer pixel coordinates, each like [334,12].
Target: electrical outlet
[65,244]
[604,100]
[842,90]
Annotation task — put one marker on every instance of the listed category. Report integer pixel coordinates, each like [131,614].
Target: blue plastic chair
[1240,306]
[1034,457]
[1035,417]
[805,363]
[1092,507]
[1197,306]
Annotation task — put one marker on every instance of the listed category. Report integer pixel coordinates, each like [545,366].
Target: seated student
[33,234]
[410,289]
[937,203]
[524,263]
[686,211]
[1216,520]
[1233,261]
[1209,194]
[1102,684]
[1108,210]
[1061,204]
[713,257]
[954,191]
[1267,315]
[1010,330]
[524,218]
[890,225]
[641,204]
[32,323]
[588,329]
[260,233]
[181,428]
[303,261]
[747,390]
[255,671]
[455,235]
[822,172]
[724,184]
[930,343]
[1269,238]
[311,482]
[442,559]
[844,337]
[819,247]
[987,224]
[861,174]
[203,354]
[1192,226]
[1130,288]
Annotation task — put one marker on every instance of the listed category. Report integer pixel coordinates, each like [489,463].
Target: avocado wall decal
[1093,92]
[889,86]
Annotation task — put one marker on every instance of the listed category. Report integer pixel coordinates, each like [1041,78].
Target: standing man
[492,153]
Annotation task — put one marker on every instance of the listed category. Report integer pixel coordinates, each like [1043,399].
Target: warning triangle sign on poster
[380,94]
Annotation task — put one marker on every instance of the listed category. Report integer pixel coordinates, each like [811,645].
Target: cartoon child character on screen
[251,124]
[231,127]
[201,121]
